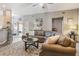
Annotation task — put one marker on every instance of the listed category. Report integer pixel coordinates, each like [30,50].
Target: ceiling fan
[42,4]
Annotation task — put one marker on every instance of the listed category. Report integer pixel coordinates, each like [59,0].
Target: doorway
[57,23]
[17,26]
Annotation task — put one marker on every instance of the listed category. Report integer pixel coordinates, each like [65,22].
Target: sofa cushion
[73,43]
[67,41]
[59,49]
[60,40]
[52,39]
[64,41]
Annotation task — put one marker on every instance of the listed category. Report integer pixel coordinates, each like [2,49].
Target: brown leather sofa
[57,50]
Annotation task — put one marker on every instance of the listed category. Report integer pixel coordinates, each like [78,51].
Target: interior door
[57,23]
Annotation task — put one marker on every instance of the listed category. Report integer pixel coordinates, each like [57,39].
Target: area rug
[18,49]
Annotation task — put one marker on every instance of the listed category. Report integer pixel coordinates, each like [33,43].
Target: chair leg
[25,45]
[36,44]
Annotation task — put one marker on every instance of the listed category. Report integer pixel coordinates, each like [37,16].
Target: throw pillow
[67,41]
[61,39]
[64,40]
[52,39]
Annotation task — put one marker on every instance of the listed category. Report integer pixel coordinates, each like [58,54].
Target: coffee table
[31,42]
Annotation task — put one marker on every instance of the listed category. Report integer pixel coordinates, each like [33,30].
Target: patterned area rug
[18,49]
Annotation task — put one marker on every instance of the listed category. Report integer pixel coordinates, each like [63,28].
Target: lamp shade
[73,27]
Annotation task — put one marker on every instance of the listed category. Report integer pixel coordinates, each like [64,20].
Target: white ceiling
[28,9]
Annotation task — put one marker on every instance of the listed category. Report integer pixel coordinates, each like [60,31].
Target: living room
[38,21]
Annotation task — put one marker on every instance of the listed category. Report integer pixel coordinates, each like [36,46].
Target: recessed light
[3,6]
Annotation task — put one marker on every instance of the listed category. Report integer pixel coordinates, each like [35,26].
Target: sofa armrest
[59,49]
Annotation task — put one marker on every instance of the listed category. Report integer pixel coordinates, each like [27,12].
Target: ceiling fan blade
[34,5]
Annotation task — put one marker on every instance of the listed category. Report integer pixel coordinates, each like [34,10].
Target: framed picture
[38,23]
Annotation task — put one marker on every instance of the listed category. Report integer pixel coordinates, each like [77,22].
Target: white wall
[47,18]
[3,36]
